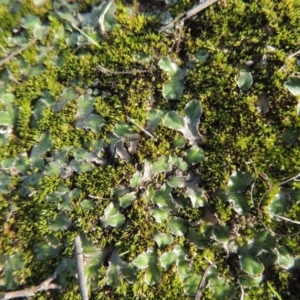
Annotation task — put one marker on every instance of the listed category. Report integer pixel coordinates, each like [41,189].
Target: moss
[235,133]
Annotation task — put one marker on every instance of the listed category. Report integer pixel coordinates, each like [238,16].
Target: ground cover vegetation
[173,152]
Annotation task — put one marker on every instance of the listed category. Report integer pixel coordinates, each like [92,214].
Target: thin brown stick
[11,210]
[281,217]
[294,54]
[17,52]
[44,286]
[99,198]
[275,215]
[278,234]
[290,56]
[80,268]
[242,291]
[202,283]
[202,5]
[276,186]
[11,76]
[111,72]
[141,128]
[101,19]
[191,12]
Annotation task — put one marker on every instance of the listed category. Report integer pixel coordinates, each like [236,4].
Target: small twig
[11,210]
[281,217]
[101,19]
[288,180]
[242,291]
[202,5]
[17,52]
[202,283]
[44,286]
[251,192]
[80,268]
[190,13]
[290,56]
[141,128]
[4,50]
[110,72]
[279,234]
[265,177]
[276,186]
[99,198]
[294,54]
[11,76]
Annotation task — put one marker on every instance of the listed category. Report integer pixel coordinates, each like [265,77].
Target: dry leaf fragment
[263,103]
[209,217]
